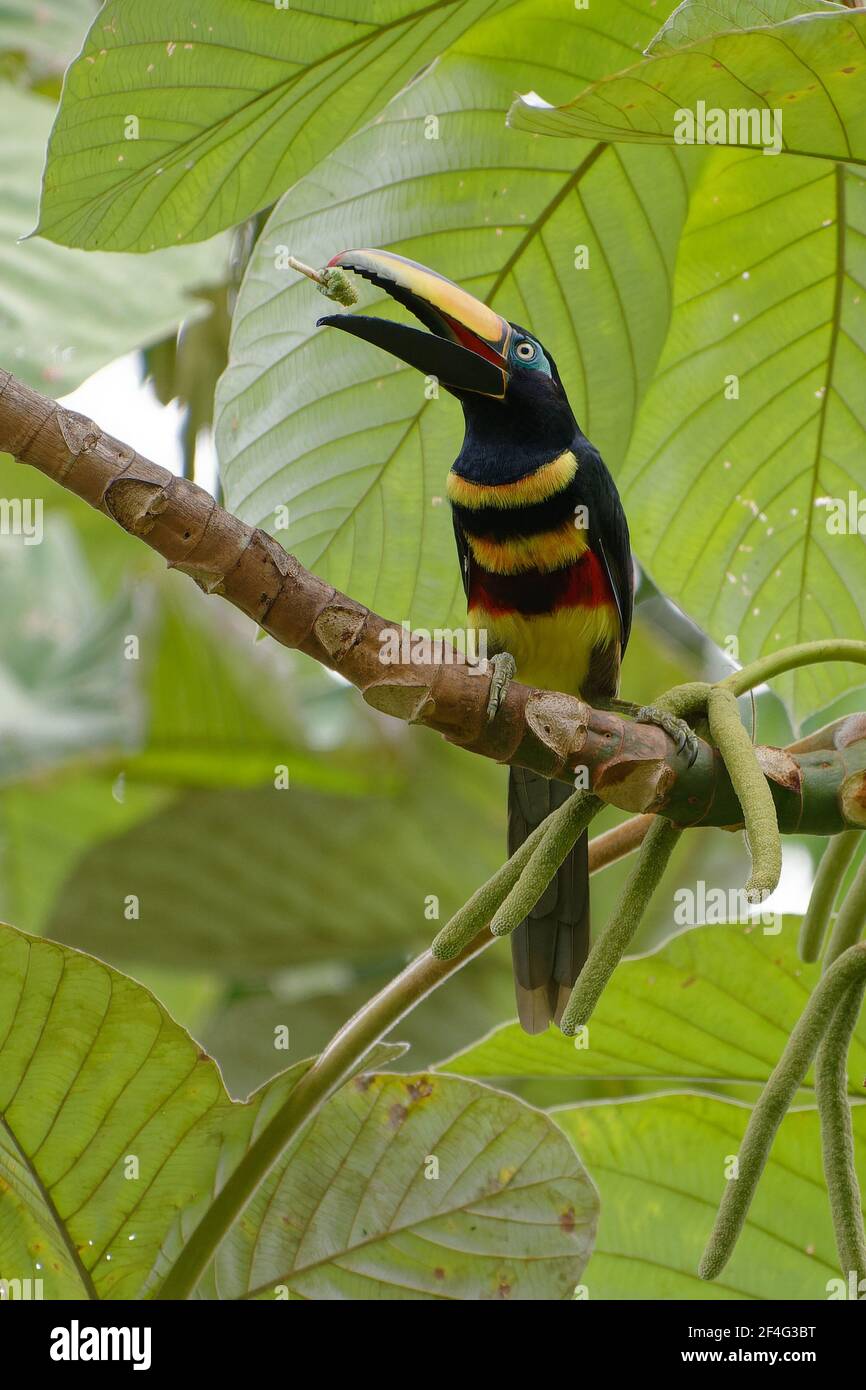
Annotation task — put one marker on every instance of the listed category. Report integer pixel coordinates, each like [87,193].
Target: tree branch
[817,789]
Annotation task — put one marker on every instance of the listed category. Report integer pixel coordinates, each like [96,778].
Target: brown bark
[818,787]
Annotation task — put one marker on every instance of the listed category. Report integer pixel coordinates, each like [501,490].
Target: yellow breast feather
[546,551]
[552,650]
[537,486]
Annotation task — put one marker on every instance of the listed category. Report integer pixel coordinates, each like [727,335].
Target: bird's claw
[504,670]
[682,733]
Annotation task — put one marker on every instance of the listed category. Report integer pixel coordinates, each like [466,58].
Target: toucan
[544,552]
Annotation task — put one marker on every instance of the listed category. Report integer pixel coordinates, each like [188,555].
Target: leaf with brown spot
[372,1225]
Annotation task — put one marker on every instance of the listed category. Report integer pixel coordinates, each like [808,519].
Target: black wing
[608,530]
[462,551]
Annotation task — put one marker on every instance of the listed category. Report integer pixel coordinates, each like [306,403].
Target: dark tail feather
[549,948]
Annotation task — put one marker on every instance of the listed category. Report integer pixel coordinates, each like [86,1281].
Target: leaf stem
[613,845]
[791,658]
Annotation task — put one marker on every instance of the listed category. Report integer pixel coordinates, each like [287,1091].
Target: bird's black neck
[502,444]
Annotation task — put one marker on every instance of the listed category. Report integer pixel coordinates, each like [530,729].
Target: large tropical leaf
[108,549]
[234,102]
[507,1214]
[700,19]
[93,1071]
[116,1132]
[660,1167]
[64,314]
[809,68]
[716,1005]
[343,435]
[727,486]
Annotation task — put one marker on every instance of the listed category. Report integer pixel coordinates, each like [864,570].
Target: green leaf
[93,1074]
[116,1132]
[234,103]
[64,314]
[809,69]
[660,1168]
[355,1210]
[700,19]
[729,498]
[341,433]
[715,1004]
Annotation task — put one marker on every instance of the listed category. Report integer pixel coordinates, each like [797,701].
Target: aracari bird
[544,554]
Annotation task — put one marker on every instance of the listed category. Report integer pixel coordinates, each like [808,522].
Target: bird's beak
[467,346]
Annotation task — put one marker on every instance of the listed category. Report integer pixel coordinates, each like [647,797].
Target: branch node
[135,504]
[80,435]
[338,627]
[852,799]
[559,722]
[412,703]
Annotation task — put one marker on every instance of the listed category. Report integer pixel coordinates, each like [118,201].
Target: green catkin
[786,1079]
[685,701]
[837,1136]
[331,281]
[625,919]
[564,826]
[486,900]
[753,792]
[337,285]
[825,890]
[848,927]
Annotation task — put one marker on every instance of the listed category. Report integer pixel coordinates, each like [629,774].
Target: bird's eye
[526,351]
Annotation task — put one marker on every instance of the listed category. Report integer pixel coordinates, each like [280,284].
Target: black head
[514,404]
[530,425]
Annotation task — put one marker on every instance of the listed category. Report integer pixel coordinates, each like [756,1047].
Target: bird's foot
[682,733]
[504,670]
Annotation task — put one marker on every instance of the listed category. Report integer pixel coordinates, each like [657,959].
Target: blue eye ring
[528,353]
